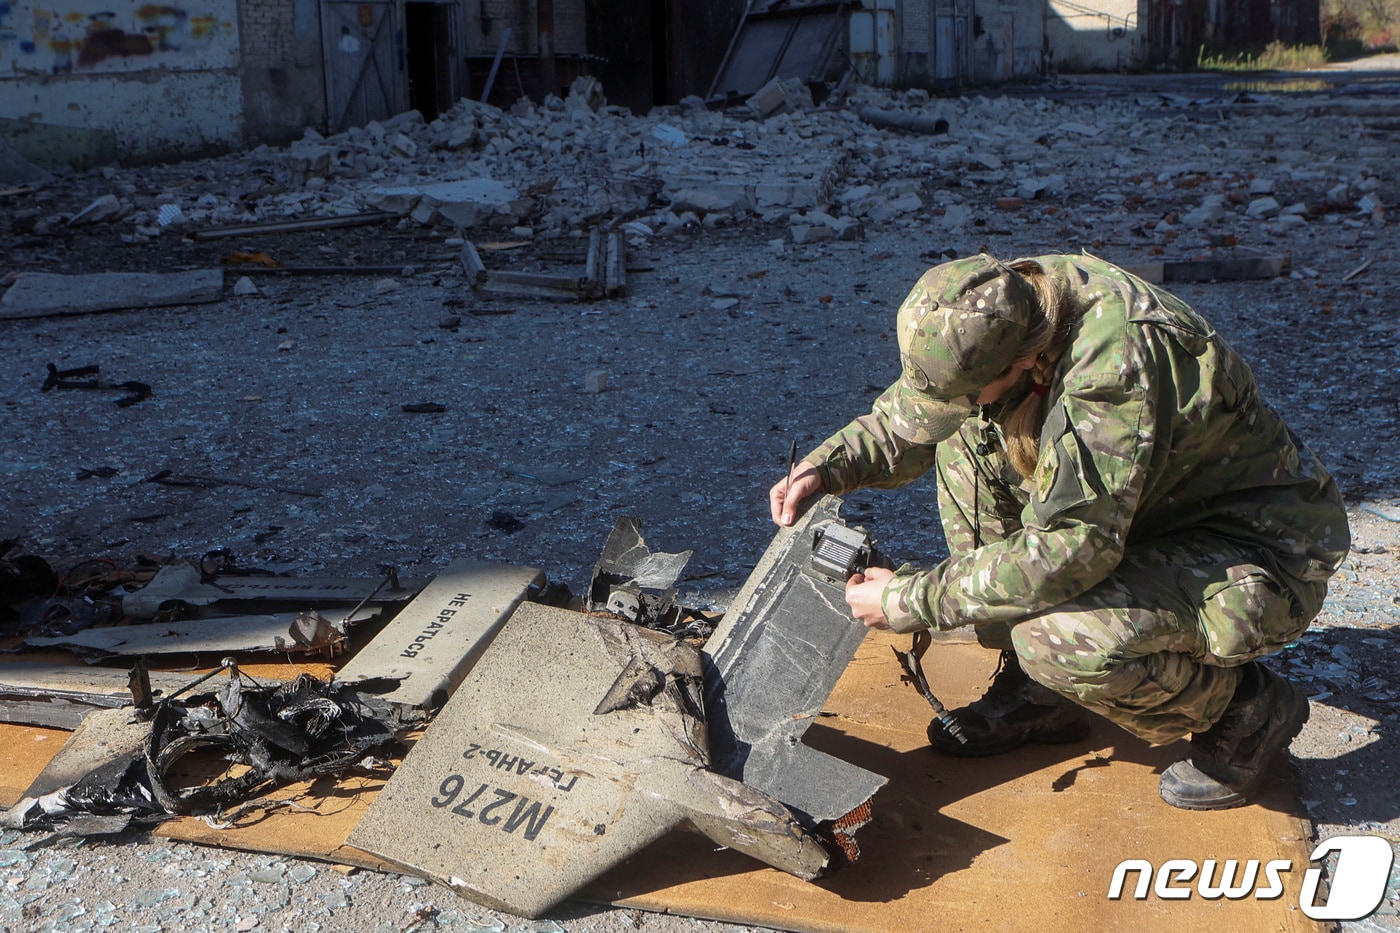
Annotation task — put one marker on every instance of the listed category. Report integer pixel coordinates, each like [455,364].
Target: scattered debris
[73,379]
[307,632]
[292,732]
[637,585]
[171,478]
[39,294]
[504,521]
[291,226]
[910,122]
[1366,264]
[182,587]
[61,696]
[605,273]
[573,743]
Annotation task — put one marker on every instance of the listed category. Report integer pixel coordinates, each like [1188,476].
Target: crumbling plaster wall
[284,89]
[1096,35]
[163,80]
[488,20]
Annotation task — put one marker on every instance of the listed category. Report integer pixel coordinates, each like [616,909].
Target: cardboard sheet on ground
[1028,839]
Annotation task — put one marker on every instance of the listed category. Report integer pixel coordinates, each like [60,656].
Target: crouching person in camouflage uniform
[1127,520]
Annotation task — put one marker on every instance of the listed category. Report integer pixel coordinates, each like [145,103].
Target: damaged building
[84,83]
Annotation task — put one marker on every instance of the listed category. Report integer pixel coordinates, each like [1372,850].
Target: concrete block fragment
[393,200]
[853,195]
[719,197]
[768,100]
[848,228]
[244,287]
[780,96]
[987,160]
[402,145]
[425,213]
[955,216]
[1202,216]
[42,293]
[595,382]
[802,233]
[585,95]
[108,207]
[1262,207]
[768,194]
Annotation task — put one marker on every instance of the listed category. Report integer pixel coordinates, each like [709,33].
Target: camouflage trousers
[1156,647]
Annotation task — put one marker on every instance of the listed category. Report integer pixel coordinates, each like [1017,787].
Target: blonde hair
[1045,342]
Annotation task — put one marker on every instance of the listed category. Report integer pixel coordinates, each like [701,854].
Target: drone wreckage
[546,767]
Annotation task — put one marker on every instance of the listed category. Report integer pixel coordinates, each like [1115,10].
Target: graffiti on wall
[92,36]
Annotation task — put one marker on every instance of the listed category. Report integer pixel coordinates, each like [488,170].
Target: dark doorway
[428,36]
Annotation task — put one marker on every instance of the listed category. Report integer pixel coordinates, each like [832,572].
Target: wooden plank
[1212,270]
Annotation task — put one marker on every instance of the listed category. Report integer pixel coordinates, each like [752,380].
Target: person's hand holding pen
[786,496]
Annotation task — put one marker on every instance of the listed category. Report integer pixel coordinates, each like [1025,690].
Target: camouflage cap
[960,327]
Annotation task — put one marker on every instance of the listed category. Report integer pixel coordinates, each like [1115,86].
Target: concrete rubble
[1150,167]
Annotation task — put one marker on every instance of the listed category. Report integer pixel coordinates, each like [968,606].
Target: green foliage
[1275,57]
[1353,28]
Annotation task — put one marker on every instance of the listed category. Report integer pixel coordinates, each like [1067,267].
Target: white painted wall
[163,78]
[1094,35]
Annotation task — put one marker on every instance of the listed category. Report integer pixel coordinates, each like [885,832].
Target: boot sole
[1301,713]
[1073,732]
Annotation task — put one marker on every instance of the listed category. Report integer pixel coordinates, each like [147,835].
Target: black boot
[1230,759]
[1014,710]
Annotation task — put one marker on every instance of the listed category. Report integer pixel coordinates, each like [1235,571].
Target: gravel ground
[731,342]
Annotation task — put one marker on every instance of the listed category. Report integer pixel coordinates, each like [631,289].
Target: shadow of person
[1347,756]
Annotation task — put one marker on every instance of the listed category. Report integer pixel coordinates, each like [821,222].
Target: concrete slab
[574,742]
[36,294]
[434,640]
[1026,840]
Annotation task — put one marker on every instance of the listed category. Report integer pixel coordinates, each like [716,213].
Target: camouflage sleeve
[868,453]
[1095,447]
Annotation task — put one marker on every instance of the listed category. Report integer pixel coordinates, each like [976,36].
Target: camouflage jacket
[1154,427]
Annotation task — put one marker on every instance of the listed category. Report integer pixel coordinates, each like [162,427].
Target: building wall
[160,79]
[283,76]
[1095,35]
[488,20]
[1007,41]
[915,44]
